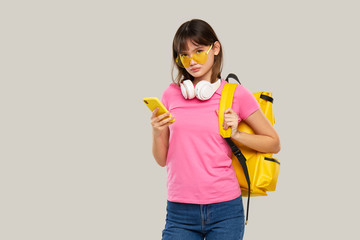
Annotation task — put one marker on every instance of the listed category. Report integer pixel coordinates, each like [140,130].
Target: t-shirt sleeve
[165,96]
[164,100]
[244,102]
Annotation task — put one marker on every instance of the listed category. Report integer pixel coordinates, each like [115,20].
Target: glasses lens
[200,57]
[185,60]
[179,63]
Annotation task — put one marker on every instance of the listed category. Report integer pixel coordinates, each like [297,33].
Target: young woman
[204,197]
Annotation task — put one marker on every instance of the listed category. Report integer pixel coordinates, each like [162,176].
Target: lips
[196,69]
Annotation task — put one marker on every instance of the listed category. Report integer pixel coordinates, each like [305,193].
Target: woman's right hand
[160,123]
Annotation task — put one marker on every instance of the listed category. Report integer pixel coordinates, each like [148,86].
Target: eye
[183,55]
[199,51]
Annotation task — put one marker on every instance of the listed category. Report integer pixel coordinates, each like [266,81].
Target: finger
[225,125]
[217,112]
[165,121]
[168,124]
[228,114]
[159,118]
[230,124]
[233,125]
[162,116]
[229,110]
[230,118]
[154,122]
[155,112]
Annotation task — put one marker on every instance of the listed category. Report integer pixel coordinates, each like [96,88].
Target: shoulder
[244,102]
[242,92]
[171,90]
[244,95]
[170,94]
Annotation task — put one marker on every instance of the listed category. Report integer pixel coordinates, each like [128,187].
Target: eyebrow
[197,48]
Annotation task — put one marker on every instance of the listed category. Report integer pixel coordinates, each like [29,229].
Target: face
[201,71]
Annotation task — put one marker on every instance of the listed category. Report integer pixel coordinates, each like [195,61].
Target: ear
[217,47]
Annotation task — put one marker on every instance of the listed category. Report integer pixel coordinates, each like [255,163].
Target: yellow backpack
[256,172]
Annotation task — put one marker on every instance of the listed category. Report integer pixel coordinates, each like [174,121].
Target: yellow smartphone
[154,102]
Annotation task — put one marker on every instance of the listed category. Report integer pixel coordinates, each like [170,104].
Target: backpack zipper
[272,160]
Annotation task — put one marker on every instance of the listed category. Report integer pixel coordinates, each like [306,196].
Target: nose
[192,62]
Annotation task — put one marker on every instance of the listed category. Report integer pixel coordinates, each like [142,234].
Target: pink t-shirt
[199,168]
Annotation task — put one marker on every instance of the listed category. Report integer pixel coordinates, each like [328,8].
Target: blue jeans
[217,221]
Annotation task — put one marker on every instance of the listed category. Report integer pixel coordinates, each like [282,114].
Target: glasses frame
[178,59]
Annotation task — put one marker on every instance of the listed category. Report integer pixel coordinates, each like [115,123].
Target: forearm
[260,143]
[160,148]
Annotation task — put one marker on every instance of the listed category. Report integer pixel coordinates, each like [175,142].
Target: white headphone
[202,91]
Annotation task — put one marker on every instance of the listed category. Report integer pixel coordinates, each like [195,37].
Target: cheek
[210,61]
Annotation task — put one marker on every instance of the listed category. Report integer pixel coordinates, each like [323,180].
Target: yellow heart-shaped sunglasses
[200,56]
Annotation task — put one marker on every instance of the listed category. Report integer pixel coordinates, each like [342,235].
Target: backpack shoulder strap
[233,76]
[226,100]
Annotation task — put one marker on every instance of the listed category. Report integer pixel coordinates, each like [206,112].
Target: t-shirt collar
[219,90]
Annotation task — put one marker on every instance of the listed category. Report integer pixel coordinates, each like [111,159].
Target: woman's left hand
[231,119]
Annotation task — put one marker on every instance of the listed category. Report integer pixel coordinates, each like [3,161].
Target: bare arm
[160,134]
[265,138]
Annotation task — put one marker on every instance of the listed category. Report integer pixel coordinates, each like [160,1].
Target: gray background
[76,158]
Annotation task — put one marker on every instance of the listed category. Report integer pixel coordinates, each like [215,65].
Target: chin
[197,74]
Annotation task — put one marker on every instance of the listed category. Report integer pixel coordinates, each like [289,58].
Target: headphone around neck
[202,91]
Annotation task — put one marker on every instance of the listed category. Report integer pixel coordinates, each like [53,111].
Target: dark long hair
[200,33]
